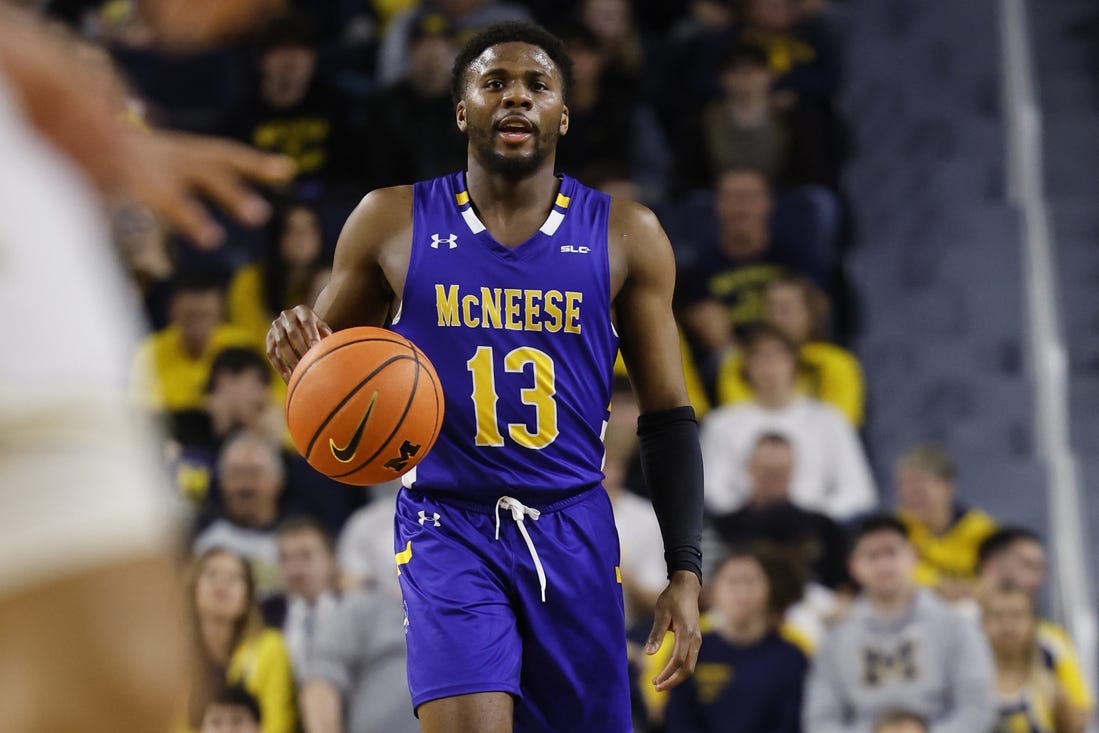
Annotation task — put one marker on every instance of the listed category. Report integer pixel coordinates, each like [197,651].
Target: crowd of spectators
[824,610]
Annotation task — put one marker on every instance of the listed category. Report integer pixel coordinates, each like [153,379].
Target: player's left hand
[677,611]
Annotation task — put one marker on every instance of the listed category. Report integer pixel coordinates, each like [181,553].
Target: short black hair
[289,29]
[237,697]
[1002,539]
[510,32]
[237,360]
[764,331]
[878,523]
[301,523]
[198,281]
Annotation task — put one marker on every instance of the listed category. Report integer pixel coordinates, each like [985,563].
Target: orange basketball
[364,405]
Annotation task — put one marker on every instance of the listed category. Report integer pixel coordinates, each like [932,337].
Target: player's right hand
[292,334]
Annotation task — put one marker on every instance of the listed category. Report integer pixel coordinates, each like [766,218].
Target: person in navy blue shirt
[749,677]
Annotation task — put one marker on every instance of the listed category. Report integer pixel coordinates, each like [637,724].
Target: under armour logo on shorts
[434,518]
[451,241]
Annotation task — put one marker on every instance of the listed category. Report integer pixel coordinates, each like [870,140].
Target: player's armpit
[99,652]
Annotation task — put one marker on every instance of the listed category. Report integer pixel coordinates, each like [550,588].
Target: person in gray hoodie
[900,647]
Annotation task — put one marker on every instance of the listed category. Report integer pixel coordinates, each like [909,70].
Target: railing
[1046,354]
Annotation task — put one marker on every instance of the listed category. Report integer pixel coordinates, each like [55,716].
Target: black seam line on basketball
[351,394]
[404,414]
[322,357]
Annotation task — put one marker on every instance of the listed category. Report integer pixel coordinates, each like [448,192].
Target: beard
[515,165]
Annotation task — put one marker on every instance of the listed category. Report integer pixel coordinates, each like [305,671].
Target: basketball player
[90,622]
[520,286]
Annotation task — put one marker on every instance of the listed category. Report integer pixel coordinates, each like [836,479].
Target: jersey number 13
[539,396]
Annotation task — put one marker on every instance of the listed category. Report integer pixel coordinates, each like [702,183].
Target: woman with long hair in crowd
[232,647]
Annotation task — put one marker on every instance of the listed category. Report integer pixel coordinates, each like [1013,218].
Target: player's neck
[217,638]
[495,194]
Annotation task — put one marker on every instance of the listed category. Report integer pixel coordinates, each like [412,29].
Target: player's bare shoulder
[378,233]
[637,244]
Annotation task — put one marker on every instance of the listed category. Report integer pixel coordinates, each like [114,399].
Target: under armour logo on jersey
[451,242]
[434,518]
[575,249]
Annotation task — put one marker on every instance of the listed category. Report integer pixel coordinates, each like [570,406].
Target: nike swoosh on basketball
[347,453]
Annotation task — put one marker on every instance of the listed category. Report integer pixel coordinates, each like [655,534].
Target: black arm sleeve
[671,460]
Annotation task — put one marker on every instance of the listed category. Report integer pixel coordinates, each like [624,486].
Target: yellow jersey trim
[402,558]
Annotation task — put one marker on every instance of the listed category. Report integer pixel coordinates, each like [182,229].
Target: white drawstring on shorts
[519,512]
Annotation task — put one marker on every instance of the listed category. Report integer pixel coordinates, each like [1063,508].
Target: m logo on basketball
[451,242]
[347,453]
[407,451]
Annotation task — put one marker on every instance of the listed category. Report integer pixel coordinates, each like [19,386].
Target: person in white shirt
[364,550]
[308,566]
[831,474]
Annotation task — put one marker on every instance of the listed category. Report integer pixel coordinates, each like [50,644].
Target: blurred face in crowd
[239,397]
[285,75]
[512,109]
[197,314]
[1021,564]
[229,719]
[882,563]
[307,564]
[429,62]
[608,19]
[251,481]
[738,592]
[221,590]
[771,370]
[587,64]
[1009,621]
[929,497]
[746,81]
[743,205]
[785,308]
[301,239]
[774,16]
[769,469]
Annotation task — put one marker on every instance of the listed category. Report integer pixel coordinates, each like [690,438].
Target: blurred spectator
[355,679]
[770,518]
[1015,556]
[238,396]
[465,16]
[291,111]
[411,131]
[799,49]
[365,547]
[831,474]
[142,240]
[749,678]
[172,366]
[698,45]
[795,306]
[901,721]
[601,113]
[744,128]
[308,566]
[232,710]
[232,646]
[293,254]
[251,476]
[900,646]
[644,572]
[1031,697]
[622,52]
[733,255]
[944,532]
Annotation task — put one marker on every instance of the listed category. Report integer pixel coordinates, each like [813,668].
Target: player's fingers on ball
[325,329]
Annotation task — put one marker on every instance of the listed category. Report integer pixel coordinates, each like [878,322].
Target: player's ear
[460,115]
[564,120]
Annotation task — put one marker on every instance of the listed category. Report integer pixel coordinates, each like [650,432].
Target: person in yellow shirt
[794,305]
[172,366]
[1031,697]
[233,647]
[944,532]
[1017,556]
[293,259]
